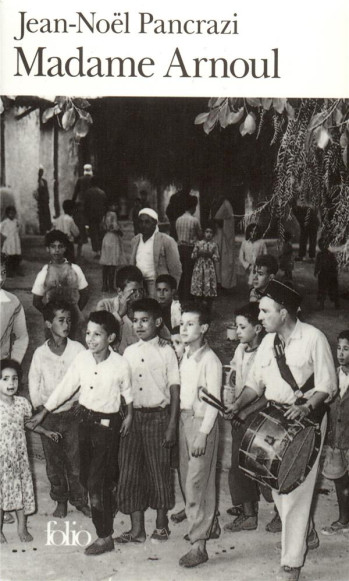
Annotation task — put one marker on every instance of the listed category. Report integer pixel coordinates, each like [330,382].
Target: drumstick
[213,404]
[212,397]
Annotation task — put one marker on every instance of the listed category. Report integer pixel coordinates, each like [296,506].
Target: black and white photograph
[174,313]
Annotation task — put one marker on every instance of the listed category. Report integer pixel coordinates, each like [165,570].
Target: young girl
[250,248]
[244,491]
[205,253]
[112,254]
[336,465]
[16,484]
[9,230]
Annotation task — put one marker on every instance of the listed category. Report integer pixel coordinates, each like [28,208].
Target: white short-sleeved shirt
[154,368]
[39,284]
[100,384]
[307,351]
[242,363]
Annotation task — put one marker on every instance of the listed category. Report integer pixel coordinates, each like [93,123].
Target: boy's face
[245,331]
[191,329]
[164,293]
[60,324]
[145,325]
[178,345]
[56,251]
[261,277]
[132,292]
[2,275]
[97,338]
[8,382]
[343,352]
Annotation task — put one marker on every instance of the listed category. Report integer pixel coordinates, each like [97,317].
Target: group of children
[111,414]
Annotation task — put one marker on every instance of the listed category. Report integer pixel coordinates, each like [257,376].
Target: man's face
[147,225]
[270,315]
[164,294]
[261,277]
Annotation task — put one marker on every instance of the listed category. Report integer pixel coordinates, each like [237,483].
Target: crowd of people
[115,397]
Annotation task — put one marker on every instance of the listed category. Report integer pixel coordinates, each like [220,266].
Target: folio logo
[68,537]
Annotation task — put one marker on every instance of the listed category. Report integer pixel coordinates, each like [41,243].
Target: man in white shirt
[154,252]
[305,351]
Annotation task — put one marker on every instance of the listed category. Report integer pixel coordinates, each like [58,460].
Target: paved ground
[247,556]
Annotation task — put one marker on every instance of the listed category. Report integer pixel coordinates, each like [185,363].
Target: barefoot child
[102,376]
[16,484]
[145,456]
[336,465]
[48,367]
[198,431]
[244,491]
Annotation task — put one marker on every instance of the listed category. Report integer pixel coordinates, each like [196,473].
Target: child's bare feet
[25,536]
[61,510]
[2,538]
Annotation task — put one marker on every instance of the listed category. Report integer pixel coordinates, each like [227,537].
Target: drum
[279,452]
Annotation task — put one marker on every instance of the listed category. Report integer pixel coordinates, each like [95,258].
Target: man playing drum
[292,356]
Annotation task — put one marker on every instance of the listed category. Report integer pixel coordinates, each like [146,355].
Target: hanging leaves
[322,138]
[68,119]
[249,125]
[201,118]
[81,128]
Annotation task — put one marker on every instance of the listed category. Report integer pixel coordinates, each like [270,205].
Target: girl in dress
[250,249]
[112,254]
[9,229]
[16,484]
[205,253]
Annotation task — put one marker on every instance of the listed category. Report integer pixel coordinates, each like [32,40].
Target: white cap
[149,212]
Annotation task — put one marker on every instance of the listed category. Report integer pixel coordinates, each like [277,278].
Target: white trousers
[294,510]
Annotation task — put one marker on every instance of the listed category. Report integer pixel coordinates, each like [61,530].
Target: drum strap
[286,372]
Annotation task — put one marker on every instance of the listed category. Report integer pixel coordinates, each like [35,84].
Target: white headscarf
[149,212]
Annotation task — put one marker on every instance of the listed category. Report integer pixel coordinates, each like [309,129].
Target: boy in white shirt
[48,367]
[198,430]
[102,377]
[145,456]
[243,490]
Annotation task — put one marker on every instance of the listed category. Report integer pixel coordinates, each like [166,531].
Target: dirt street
[245,556]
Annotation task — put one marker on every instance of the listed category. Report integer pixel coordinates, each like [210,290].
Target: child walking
[9,232]
[61,279]
[145,456]
[336,465]
[198,431]
[16,484]
[48,367]
[243,490]
[326,269]
[102,377]
[204,278]
[252,247]
[112,253]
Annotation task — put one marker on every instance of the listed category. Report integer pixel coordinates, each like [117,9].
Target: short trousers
[336,463]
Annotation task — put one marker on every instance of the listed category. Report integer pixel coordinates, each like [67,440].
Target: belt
[150,410]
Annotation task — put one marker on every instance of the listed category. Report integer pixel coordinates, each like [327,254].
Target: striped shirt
[188,229]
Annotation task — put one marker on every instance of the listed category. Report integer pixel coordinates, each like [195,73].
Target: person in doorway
[95,208]
[223,215]
[82,184]
[43,199]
